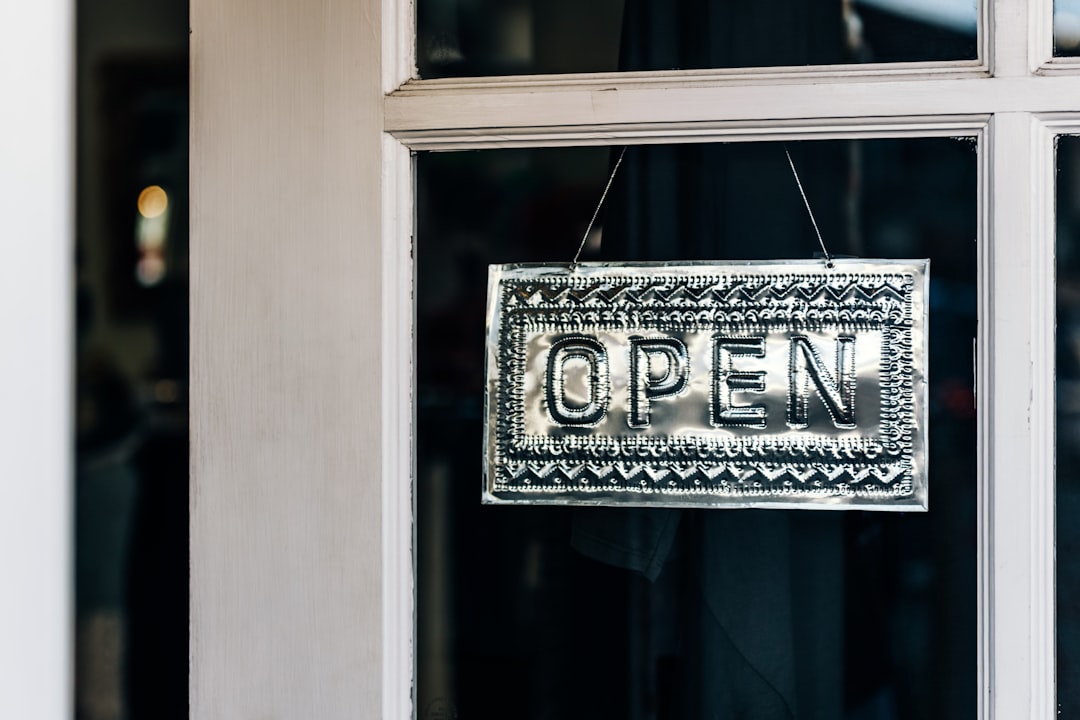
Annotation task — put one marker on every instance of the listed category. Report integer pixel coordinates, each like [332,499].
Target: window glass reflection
[130,508]
[1066,28]
[458,38]
[538,612]
[1068,425]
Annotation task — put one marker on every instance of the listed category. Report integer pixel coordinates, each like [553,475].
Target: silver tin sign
[738,384]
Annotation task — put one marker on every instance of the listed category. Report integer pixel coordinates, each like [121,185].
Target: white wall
[36,181]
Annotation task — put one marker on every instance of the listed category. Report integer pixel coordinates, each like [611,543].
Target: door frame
[304,122]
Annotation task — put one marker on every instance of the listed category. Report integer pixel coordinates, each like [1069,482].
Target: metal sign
[764,384]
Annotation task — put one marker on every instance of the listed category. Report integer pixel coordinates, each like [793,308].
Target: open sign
[745,384]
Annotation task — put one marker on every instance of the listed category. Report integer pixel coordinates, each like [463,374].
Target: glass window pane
[1066,28]
[557,612]
[460,38]
[1068,426]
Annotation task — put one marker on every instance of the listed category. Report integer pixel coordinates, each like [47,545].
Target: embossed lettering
[646,386]
[591,350]
[726,380]
[838,393]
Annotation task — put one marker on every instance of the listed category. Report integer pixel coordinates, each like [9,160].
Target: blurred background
[131,509]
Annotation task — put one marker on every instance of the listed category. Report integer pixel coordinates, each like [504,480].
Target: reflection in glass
[130,508]
[556,612]
[459,38]
[1066,28]
[1068,426]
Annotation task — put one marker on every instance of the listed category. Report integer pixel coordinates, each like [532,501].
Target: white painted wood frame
[37,44]
[304,119]
[287,398]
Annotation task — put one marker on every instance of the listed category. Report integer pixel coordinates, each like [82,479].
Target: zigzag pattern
[677,497]
[700,476]
[705,290]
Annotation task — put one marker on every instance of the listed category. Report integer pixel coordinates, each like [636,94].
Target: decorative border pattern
[709,469]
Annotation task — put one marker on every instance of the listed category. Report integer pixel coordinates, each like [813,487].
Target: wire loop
[574,262]
[828,258]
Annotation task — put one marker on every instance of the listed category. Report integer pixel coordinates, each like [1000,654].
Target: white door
[305,120]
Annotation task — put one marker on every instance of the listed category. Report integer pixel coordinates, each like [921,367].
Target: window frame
[994,100]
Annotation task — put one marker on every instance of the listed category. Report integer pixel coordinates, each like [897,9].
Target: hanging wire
[574,262]
[828,258]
